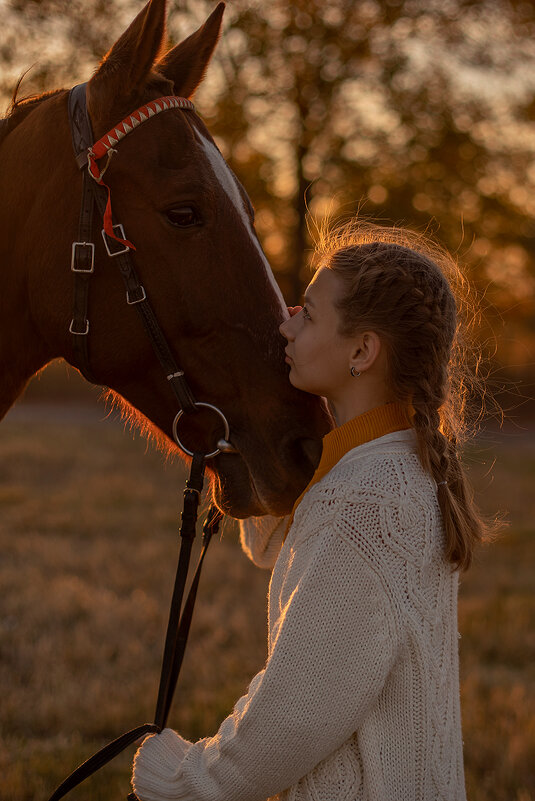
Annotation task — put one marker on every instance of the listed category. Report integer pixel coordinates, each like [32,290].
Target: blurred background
[415,112]
[419,113]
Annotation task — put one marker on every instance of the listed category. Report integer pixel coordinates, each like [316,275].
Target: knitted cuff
[157,766]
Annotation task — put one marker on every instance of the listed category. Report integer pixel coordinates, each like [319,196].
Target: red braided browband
[105,146]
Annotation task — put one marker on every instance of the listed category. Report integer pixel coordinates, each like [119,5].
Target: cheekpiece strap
[81,130]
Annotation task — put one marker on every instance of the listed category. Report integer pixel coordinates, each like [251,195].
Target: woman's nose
[285,327]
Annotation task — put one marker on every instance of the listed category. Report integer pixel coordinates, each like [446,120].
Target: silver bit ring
[220,442]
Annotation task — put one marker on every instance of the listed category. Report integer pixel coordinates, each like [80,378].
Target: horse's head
[202,267]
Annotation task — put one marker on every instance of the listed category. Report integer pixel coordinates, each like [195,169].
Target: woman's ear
[366,351]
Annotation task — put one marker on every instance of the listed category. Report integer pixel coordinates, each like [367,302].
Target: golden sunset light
[283,251]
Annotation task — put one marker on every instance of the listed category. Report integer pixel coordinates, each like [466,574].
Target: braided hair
[414,297]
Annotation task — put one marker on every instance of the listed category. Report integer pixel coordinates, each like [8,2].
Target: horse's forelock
[157,82]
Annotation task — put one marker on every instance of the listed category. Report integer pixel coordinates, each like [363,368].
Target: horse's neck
[23,350]
[22,353]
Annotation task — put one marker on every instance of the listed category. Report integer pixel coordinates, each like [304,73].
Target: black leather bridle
[82,263]
[82,266]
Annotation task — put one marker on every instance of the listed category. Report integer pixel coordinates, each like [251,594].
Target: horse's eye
[183,217]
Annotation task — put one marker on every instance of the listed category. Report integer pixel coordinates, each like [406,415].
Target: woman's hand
[156,773]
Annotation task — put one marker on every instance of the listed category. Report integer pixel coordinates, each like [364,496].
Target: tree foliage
[420,113]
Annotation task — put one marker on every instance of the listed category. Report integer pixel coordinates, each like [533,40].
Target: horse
[197,255]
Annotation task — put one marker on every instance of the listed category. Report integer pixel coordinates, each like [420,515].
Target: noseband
[88,155]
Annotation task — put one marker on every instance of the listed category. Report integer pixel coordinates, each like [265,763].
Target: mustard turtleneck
[363,428]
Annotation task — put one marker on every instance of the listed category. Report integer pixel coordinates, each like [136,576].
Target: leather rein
[88,154]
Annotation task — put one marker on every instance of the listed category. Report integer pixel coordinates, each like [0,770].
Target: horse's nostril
[311,450]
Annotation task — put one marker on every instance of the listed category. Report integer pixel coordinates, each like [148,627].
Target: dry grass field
[88,521]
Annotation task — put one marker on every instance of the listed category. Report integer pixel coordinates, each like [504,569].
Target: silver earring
[354,373]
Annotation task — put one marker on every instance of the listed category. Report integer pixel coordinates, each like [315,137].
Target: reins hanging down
[96,193]
[178,627]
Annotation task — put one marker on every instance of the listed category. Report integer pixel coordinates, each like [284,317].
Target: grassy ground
[88,523]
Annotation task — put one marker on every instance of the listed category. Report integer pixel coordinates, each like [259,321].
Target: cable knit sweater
[359,697]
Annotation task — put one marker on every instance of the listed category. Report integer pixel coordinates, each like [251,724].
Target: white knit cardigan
[359,697]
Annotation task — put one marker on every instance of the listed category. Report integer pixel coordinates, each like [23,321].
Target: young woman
[359,697]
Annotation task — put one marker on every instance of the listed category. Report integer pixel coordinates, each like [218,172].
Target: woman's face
[319,357]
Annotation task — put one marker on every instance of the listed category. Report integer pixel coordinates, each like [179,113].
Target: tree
[418,112]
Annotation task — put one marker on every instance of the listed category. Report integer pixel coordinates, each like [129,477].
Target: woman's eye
[306,315]
[183,217]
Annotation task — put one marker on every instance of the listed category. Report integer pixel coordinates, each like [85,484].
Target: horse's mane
[18,110]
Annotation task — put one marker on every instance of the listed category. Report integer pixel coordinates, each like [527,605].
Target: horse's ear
[186,63]
[127,65]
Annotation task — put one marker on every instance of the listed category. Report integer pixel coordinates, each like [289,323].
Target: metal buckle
[79,333]
[118,229]
[138,300]
[91,247]
[222,442]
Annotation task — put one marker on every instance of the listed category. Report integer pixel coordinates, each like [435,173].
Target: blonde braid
[395,287]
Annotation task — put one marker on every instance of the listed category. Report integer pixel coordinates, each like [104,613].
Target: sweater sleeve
[332,648]
[261,538]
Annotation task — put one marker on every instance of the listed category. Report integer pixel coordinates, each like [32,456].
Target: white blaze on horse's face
[230,187]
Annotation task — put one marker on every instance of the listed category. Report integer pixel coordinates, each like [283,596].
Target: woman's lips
[288,359]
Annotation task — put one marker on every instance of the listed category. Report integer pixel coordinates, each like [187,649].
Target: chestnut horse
[197,255]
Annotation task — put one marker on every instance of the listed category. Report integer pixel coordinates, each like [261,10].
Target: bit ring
[225,423]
